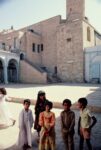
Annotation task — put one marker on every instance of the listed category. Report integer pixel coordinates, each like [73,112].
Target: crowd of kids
[44,123]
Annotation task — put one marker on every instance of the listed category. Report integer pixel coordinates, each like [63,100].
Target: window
[88,34]
[38,48]
[68,39]
[55,70]
[15,42]
[41,47]
[31,30]
[33,47]
[3,46]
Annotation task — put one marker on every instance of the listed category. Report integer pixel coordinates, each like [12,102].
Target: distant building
[53,50]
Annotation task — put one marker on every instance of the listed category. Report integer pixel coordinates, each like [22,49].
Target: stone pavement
[8,136]
[58,92]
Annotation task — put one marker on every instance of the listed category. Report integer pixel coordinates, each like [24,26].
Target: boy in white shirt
[86,122]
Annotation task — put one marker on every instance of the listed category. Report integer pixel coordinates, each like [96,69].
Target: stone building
[52,50]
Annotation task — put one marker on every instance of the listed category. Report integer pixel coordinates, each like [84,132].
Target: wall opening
[1,72]
[22,57]
[12,71]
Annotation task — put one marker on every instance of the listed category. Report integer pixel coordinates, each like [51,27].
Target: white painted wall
[92,57]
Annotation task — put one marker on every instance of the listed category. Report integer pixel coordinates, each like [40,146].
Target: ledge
[58,105]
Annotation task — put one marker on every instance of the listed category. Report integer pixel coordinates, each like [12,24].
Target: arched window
[88,34]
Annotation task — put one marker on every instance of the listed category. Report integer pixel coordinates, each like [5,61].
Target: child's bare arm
[71,129]
[52,123]
[94,120]
[41,118]
[79,125]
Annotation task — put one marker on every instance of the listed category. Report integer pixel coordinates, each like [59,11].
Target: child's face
[47,108]
[42,97]
[66,106]
[26,105]
[1,95]
[80,105]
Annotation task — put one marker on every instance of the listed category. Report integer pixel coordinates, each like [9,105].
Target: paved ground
[55,93]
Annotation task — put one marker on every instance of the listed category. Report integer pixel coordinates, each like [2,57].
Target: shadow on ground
[95,97]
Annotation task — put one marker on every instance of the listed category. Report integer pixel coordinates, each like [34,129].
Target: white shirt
[85,118]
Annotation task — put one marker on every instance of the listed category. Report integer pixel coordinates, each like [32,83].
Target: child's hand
[90,128]
[46,133]
[64,130]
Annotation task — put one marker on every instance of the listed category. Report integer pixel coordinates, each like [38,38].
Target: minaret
[75,9]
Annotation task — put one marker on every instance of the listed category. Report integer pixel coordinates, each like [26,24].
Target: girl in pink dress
[47,133]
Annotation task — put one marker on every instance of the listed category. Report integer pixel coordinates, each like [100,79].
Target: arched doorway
[12,71]
[22,56]
[1,72]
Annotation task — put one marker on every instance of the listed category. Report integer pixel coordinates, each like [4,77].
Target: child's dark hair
[3,91]
[41,93]
[27,101]
[67,101]
[83,101]
[50,104]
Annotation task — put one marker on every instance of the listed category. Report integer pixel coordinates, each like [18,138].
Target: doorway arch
[12,71]
[1,72]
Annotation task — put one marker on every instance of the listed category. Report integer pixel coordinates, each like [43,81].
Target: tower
[75,9]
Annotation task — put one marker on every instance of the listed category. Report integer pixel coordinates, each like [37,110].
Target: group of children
[45,124]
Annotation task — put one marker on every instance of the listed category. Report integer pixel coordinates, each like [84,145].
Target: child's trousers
[69,141]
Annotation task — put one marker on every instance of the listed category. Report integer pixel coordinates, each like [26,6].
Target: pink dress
[47,133]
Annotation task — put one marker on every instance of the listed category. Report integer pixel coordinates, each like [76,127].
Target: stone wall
[28,74]
[70,52]
[33,56]
[87,43]
[49,38]
[11,40]
[47,30]
[75,9]
[97,39]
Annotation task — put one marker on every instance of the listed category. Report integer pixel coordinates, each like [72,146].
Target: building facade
[53,50]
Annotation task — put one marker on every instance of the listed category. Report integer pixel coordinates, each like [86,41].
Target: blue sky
[21,13]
